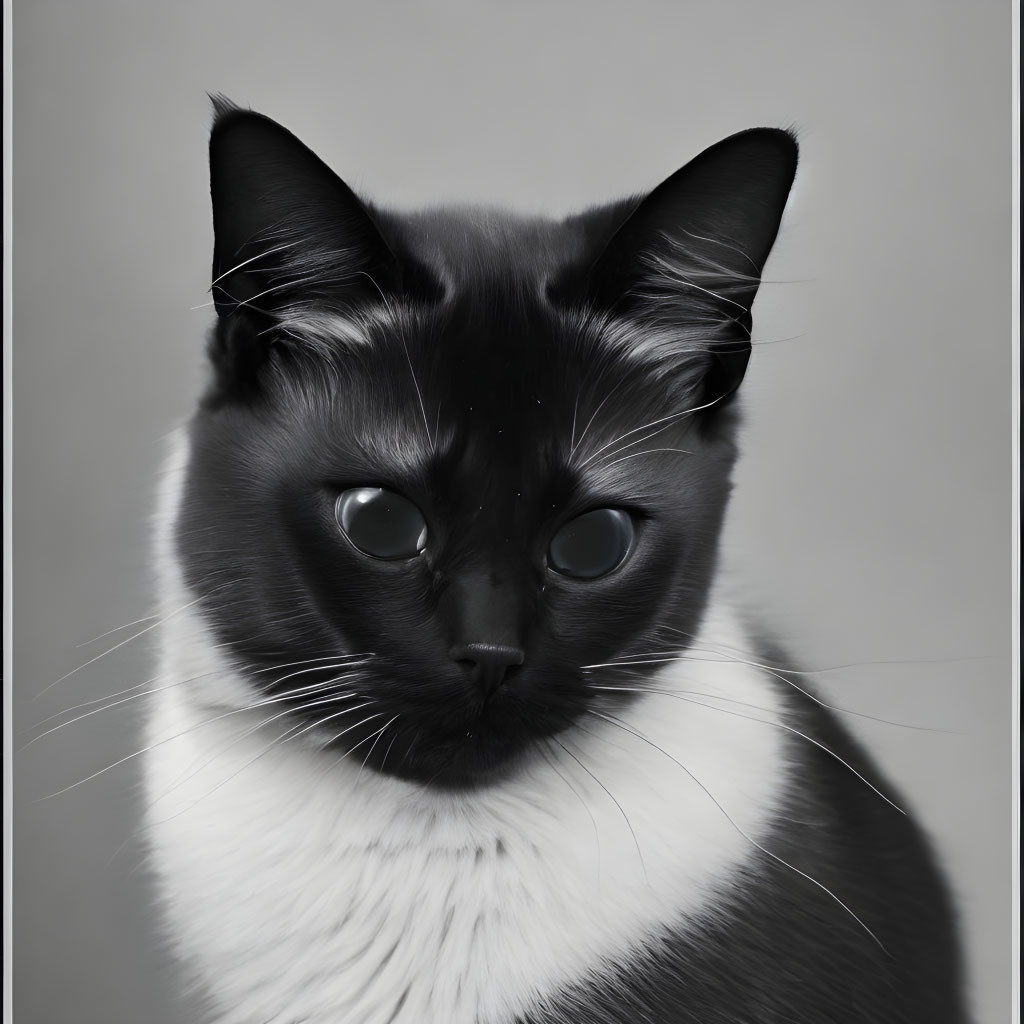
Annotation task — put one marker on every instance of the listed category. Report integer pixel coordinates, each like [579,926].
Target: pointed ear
[287,229]
[689,256]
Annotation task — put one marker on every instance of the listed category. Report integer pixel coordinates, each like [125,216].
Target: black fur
[482,348]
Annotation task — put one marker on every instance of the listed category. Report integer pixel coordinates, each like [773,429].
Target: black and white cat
[463,725]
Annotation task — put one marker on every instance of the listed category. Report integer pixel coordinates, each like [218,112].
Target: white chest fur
[309,891]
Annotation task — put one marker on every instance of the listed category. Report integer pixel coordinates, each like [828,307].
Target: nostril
[488,655]
[488,662]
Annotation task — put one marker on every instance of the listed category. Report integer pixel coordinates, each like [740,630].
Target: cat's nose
[488,662]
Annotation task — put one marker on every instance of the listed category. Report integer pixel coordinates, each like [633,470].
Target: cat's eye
[381,523]
[592,544]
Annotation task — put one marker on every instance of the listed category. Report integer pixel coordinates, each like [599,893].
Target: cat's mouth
[472,760]
[453,741]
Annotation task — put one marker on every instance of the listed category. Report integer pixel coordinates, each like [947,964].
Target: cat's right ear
[287,229]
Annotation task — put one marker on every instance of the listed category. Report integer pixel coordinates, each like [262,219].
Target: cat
[464,725]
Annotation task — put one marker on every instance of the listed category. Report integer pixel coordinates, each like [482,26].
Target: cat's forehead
[493,380]
[495,365]
[484,398]
[466,244]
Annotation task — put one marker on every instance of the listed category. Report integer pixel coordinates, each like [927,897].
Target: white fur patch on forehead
[676,356]
[321,329]
[652,338]
[664,345]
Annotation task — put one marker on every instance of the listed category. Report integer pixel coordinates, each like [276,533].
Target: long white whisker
[600,406]
[116,629]
[283,286]
[636,441]
[167,739]
[648,451]
[337,736]
[551,758]
[136,692]
[252,259]
[646,426]
[685,696]
[731,820]
[723,659]
[99,700]
[266,750]
[384,759]
[625,817]
[730,651]
[319,668]
[335,697]
[572,435]
[134,636]
[419,393]
[775,674]
[378,734]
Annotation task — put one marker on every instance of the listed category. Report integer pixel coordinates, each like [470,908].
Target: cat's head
[449,461]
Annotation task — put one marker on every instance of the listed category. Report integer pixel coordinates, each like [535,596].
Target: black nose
[489,662]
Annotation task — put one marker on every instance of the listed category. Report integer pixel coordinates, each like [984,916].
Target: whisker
[168,739]
[672,417]
[408,359]
[730,651]
[96,711]
[277,741]
[723,659]
[729,818]
[615,387]
[335,697]
[337,736]
[98,700]
[419,393]
[134,636]
[252,259]
[248,303]
[384,759]
[408,753]
[378,734]
[685,696]
[639,440]
[550,758]
[116,629]
[361,722]
[611,797]
[134,695]
[831,707]
[649,451]
[332,691]
[319,668]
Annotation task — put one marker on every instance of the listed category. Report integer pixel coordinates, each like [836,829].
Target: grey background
[871,520]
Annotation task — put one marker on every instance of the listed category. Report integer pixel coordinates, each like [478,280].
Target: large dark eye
[592,544]
[381,523]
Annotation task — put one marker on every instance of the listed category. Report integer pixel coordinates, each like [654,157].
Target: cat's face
[453,465]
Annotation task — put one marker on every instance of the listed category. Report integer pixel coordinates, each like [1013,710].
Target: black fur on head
[504,375]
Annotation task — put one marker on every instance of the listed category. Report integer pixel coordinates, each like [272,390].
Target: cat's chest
[325,894]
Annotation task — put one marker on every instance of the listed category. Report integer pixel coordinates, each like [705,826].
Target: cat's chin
[469,762]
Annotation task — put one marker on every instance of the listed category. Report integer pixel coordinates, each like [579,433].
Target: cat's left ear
[688,258]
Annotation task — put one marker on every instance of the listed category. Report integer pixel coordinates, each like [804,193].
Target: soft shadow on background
[871,518]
